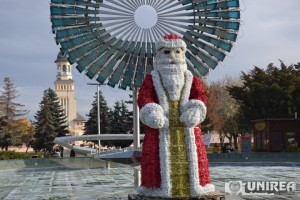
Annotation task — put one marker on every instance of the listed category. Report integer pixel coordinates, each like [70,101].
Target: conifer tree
[121,120]
[60,119]
[10,110]
[5,137]
[91,126]
[273,92]
[130,103]
[45,130]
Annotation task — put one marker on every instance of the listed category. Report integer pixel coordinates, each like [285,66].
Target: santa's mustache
[168,61]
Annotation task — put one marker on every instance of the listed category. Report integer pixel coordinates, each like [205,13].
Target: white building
[65,90]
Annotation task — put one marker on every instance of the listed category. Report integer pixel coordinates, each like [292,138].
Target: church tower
[64,88]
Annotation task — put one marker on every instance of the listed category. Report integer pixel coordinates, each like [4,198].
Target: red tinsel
[147,92]
[171,37]
[202,158]
[150,165]
[197,91]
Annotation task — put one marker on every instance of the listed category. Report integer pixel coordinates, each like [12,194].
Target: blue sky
[269,31]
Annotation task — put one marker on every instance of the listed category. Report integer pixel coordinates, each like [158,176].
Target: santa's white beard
[172,76]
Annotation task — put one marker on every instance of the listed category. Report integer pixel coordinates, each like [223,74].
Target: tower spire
[64,68]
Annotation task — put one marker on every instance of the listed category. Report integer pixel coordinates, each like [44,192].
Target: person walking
[72,153]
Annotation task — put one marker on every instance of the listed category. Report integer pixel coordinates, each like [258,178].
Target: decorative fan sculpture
[113,41]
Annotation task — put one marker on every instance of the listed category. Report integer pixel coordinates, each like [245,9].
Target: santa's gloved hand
[193,113]
[191,118]
[152,115]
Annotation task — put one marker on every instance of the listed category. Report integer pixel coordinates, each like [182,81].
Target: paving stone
[117,183]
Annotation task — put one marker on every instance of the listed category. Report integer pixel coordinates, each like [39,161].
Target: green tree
[60,119]
[10,111]
[91,125]
[3,131]
[5,138]
[130,114]
[26,132]
[122,123]
[270,93]
[44,126]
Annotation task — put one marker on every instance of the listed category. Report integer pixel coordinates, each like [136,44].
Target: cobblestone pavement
[116,183]
[52,184]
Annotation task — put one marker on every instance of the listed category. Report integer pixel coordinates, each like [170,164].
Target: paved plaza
[65,184]
[116,183]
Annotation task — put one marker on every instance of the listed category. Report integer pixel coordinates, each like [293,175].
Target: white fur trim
[164,137]
[191,118]
[206,189]
[162,98]
[196,188]
[193,160]
[170,43]
[152,115]
[193,112]
[165,163]
[187,89]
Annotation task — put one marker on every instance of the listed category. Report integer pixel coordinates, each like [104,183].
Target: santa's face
[170,60]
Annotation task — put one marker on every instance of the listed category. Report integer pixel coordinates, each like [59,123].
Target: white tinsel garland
[152,115]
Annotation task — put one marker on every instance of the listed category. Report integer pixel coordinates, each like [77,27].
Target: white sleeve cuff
[152,115]
[196,105]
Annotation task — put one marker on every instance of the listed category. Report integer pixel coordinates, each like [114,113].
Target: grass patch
[11,155]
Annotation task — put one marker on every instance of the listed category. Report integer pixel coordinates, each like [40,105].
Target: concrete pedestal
[209,196]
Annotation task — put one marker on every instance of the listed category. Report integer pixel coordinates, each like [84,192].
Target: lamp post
[136,122]
[98,113]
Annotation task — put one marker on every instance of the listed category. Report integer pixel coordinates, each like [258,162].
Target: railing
[96,137]
[115,151]
[65,141]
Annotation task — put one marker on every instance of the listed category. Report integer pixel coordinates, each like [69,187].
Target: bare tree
[223,109]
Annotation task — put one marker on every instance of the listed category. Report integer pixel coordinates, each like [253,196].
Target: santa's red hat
[170,41]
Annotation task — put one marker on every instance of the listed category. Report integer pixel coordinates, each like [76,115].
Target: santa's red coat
[150,164]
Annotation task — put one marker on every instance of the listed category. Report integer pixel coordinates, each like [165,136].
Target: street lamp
[98,112]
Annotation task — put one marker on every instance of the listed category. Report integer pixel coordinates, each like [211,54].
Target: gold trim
[180,177]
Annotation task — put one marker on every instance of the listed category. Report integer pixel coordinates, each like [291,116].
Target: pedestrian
[72,153]
[61,149]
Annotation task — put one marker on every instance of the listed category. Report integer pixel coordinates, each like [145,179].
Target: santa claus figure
[172,105]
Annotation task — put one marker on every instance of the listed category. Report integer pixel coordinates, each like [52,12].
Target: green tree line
[261,93]
[116,120]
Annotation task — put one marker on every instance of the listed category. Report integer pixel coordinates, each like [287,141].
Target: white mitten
[193,113]
[152,115]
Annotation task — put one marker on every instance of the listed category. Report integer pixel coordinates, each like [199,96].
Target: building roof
[79,118]
[61,57]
